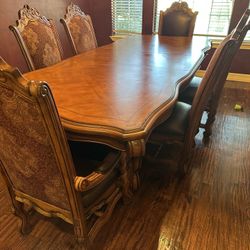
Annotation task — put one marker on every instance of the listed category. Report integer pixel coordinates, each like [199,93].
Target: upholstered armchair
[37,38]
[79,29]
[77,182]
[178,20]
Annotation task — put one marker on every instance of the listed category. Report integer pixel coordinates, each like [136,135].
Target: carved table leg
[136,151]
[127,194]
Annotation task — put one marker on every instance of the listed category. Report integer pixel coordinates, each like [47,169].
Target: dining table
[118,93]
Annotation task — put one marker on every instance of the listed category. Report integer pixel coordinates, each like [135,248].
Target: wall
[148,7]
[240,64]
[102,20]
[100,11]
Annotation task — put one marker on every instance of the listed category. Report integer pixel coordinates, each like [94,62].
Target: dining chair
[79,29]
[37,38]
[188,93]
[183,124]
[79,182]
[178,20]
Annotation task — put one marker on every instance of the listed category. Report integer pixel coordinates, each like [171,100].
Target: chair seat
[187,95]
[177,124]
[91,157]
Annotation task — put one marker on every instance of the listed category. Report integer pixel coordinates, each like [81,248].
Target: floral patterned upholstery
[42,45]
[27,151]
[37,38]
[82,34]
[79,29]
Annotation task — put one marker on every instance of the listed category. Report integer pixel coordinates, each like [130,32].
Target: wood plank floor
[214,215]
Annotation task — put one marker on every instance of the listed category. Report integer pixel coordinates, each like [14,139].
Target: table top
[122,88]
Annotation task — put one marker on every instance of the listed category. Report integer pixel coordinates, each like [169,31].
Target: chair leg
[135,165]
[23,215]
[211,110]
[127,192]
[82,239]
[182,167]
[184,161]
[209,124]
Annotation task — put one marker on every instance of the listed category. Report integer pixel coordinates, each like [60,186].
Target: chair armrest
[85,183]
[92,180]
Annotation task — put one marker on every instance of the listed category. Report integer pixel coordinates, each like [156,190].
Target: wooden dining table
[116,94]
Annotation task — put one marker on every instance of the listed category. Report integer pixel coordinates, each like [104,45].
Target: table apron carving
[136,150]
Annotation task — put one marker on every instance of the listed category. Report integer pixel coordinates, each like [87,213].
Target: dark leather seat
[95,158]
[187,94]
[178,20]
[177,124]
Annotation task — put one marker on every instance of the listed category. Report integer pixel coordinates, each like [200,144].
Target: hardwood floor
[209,209]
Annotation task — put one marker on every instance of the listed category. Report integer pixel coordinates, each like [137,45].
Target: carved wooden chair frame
[215,73]
[239,33]
[25,15]
[179,6]
[39,93]
[72,11]
[218,71]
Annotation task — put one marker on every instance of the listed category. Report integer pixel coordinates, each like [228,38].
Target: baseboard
[231,76]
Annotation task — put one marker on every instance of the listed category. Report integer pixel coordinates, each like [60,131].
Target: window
[127,16]
[213,17]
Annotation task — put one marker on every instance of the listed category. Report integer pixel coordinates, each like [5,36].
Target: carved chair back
[239,33]
[79,29]
[178,20]
[212,105]
[35,159]
[37,166]
[37,38]
[215,76]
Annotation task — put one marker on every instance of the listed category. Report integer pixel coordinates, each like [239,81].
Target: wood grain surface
[209,209]
[122,88]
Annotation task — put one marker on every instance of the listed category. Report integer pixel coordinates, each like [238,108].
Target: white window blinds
[213,17]
[127,16]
